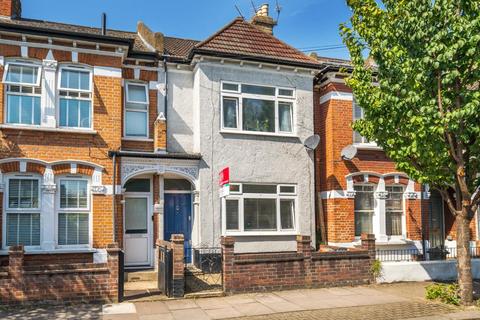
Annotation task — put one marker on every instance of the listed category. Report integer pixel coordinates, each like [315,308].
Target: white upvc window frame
[375,213]
[147,111]
[87,210]
[364,143]
[35,87]
[78,68]
[240,196]
[239,96]
[404,214]
[6,208]
[31,64]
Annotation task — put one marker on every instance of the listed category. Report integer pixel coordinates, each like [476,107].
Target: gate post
[228,260]
[115,266]
[178,245]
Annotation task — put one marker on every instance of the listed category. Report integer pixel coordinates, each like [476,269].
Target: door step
[143,275]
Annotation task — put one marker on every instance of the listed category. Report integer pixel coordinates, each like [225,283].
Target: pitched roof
[173,46]
[243,40]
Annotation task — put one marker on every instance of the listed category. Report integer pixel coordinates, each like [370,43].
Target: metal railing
[419,254]
[203,271]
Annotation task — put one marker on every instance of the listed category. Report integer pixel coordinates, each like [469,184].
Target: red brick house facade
[366,193]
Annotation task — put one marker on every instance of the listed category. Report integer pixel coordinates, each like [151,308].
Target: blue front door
[178,216]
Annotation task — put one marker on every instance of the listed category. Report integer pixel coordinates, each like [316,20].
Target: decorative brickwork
[250,272]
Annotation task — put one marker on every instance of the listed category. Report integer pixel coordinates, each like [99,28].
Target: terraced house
[111,136]
[360,190]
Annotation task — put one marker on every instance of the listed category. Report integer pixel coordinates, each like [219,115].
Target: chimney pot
[262,20]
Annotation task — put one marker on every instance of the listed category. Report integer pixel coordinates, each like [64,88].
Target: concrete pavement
[371,302]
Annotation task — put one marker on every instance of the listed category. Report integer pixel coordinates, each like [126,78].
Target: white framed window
[75,97]
[73,211]
[364,208]
[22,211]
[22,93]
[358,114]
[394,210]
[257,109]
[260,208]
[136,110]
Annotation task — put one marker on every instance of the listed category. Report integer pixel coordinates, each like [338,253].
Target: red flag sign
[224,177]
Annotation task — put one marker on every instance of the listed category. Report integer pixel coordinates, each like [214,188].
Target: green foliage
[447,293]
[376,269]
[422,88]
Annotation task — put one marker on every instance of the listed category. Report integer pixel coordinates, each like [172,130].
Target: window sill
[47,129]
[137,139]
[367,146]
[56,251]
[258,133]
[260,233]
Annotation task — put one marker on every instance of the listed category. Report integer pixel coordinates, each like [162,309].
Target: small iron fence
[203,271]
[420,254]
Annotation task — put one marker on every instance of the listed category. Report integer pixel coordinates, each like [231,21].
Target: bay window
[73,212]
[260,208]
[23,211]
[254,108]
[136,110]
[23,93]
[75,97]
[364,207]
[394,210]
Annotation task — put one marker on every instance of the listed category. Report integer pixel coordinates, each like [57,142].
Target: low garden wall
[58,280]
[305,268]
[439,270]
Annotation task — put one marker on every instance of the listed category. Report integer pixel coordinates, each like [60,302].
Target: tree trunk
[464,258]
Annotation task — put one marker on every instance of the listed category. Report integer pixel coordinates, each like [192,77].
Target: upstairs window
[254,108]
[359,114]
[75,98]
[136,110]
[23,93]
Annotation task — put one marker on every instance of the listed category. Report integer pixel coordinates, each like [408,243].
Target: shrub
[447,293]
[376,269]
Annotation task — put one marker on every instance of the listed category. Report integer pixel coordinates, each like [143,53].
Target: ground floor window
[23,211]
[386,211]
[260,207]
[73,211]
[364,209]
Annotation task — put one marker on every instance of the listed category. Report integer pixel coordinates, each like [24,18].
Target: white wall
[424,271]
[253,158]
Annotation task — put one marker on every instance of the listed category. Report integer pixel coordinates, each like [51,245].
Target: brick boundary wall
[59,283]
[253,272]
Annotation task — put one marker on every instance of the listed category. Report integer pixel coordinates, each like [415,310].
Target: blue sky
[303,23]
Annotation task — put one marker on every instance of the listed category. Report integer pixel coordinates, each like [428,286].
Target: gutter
[9,27]
[254,58]
[135,154]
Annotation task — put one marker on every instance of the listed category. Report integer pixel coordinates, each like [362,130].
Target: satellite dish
[349,152]
[312,142]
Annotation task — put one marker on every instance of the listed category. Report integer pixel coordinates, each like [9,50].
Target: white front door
[137,230]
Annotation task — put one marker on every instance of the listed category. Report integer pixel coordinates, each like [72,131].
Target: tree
[421,97]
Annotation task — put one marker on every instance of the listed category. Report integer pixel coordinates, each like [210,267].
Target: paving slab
[181,304]
[223,313]
[253,309]
[119,308]
[212,303]
[147,308]
[184,314]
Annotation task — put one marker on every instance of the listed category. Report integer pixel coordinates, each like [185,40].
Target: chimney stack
[153,39]
[262,20]
[10,9]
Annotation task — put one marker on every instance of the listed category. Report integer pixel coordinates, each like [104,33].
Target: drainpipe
[114,160]
[165,101]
